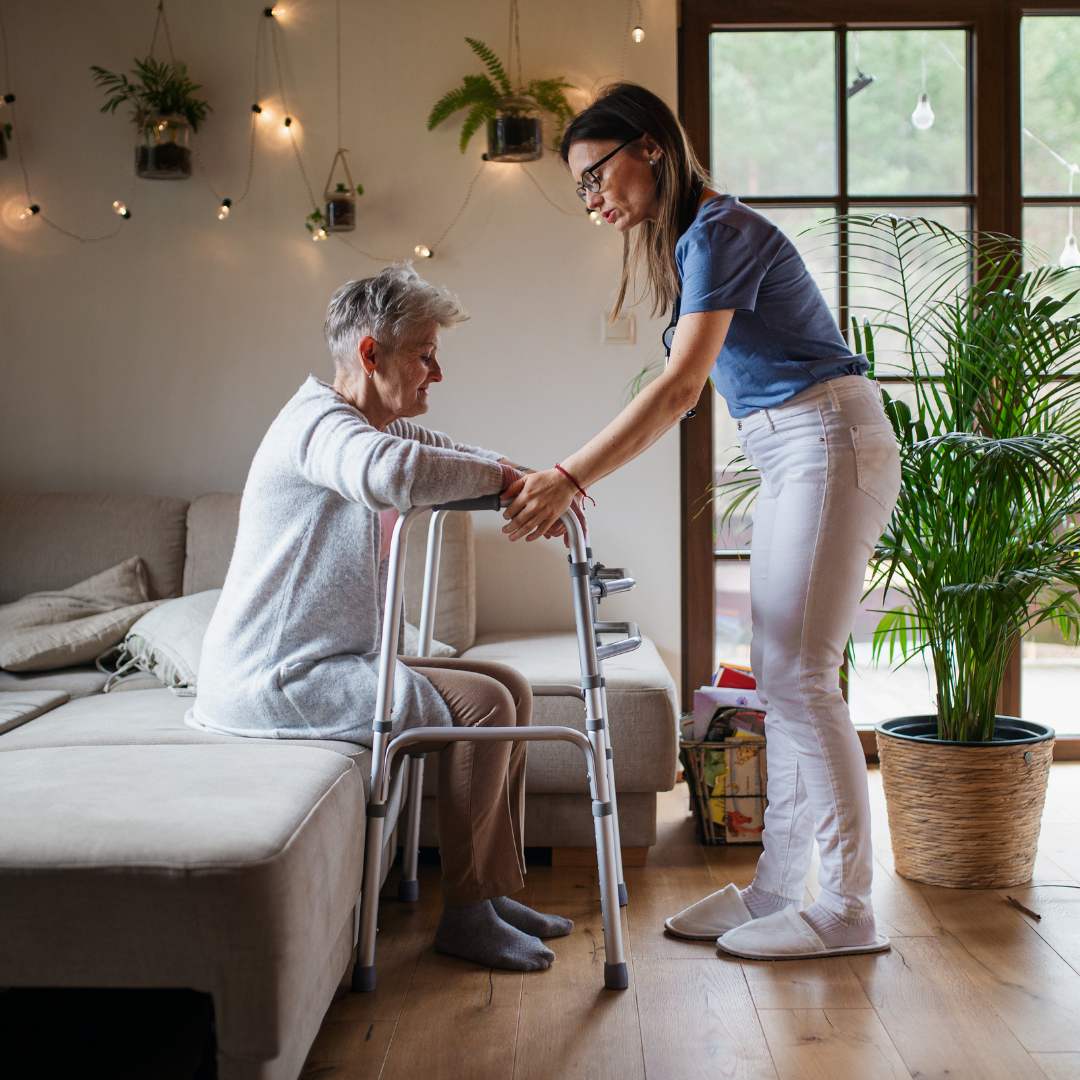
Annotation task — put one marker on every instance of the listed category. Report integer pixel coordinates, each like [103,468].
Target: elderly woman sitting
[293,648]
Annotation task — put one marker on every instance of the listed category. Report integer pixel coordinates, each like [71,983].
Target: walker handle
[483,502]
[617,648]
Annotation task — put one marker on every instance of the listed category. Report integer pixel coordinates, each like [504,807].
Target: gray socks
[761,903]
[531,922]
[477,933]
[837,933]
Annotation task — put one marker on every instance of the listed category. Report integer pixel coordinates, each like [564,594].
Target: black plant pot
[965,815]
[341,214]
[514,137]
[165,162]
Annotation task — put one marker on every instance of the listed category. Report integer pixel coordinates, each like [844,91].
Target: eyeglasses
[590,182]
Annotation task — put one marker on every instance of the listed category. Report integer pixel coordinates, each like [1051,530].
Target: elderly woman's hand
[538,501]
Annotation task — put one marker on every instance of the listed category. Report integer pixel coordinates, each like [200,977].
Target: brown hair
[618,113]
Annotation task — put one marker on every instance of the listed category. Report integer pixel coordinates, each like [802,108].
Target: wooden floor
[971,989]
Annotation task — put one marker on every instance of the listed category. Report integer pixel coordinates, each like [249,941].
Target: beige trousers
[481,802]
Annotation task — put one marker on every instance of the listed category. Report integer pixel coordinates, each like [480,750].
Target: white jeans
[830,475]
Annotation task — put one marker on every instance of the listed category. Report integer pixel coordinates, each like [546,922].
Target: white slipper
[786,935]
[707,919]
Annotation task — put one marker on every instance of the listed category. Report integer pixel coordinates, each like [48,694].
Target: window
[810,120]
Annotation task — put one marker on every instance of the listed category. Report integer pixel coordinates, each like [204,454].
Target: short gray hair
[393,307]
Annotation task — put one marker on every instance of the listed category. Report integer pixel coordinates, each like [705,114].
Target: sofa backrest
[211,533]
[52,540]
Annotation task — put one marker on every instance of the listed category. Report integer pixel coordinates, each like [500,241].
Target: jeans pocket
[877,461]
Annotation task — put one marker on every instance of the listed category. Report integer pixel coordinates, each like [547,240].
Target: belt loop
[832,396]
[768,420]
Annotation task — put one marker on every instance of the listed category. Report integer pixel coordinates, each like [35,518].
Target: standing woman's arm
[541,498]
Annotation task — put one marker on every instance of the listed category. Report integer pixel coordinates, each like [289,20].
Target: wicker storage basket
[727,782]
[964,815]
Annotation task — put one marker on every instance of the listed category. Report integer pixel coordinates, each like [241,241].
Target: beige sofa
[137,852]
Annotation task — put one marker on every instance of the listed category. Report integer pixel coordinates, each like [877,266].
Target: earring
[651,162]
[371,374]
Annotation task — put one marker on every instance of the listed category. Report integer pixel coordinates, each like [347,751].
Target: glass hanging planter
[162,151]
[514,131]
[340,198]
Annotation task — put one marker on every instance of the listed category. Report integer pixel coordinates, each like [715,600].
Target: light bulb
[1070,256]
[223,209]
[320,234]
[595,218]
[923,116]
[30,211]
[119,208]
[638,34]
[423,251]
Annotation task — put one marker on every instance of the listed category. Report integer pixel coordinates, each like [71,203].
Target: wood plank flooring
[972,989]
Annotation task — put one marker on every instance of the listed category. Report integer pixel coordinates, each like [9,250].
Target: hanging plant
[512,117]
[164,111]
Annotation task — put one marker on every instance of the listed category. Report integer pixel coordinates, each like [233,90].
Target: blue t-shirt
[783,337]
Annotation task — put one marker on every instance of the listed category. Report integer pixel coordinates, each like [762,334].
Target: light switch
[623,331]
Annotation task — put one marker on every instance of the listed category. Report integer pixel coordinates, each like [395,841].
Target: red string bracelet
[584,493]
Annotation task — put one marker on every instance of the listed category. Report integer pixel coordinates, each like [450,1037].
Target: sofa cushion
[229,869]
[48,630]
[51,540]
[77,681]
[145,717]
[641,701]
[16,709]
[212,521]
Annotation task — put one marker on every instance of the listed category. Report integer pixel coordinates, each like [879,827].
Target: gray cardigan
[292,650]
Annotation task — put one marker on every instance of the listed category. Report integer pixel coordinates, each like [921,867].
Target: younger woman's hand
[539,500]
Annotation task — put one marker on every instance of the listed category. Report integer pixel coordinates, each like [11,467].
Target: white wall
[154,361]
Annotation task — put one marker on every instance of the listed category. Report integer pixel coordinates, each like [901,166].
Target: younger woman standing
[748,315]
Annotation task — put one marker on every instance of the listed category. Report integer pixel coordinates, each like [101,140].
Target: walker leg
[616,976]
[623,898]
[408,887]
[363,975]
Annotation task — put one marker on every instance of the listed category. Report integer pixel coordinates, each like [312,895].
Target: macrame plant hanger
[340,198]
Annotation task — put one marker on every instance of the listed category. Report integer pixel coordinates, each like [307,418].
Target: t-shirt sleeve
[720,271]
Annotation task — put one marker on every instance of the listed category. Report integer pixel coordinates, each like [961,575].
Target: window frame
[996,201]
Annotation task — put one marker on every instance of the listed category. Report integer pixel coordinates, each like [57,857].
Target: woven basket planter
[964,815]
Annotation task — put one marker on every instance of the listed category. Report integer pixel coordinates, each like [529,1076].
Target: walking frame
[589,584]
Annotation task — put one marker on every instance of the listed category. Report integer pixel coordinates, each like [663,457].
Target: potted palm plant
[512,116]
[164,111]
[984,543]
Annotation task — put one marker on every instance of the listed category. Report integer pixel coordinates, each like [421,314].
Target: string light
[638,34]
[30,211]
[121,209]
[7,100]
[423,251]
[595,218]
[256,108]
[223,209]
[319,234]
[923,116]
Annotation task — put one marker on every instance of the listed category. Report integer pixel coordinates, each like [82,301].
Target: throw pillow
[168,641]
[412,643]
[47,630]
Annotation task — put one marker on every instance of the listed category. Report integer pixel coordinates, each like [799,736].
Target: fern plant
[483,96]
[158,88]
